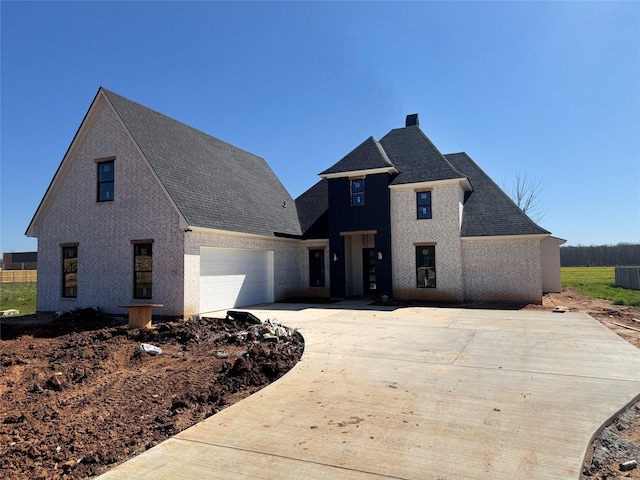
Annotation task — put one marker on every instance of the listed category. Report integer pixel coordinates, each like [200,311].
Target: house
[20,260]
[146,209]
[406,221]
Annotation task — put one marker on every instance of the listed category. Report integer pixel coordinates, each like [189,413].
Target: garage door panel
[234,277]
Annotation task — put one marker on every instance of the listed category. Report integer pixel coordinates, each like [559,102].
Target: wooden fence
[628,277]
[23,276]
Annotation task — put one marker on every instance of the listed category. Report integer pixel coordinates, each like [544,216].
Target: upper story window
[357,192]
[70,271]
[423,200]
[105,181]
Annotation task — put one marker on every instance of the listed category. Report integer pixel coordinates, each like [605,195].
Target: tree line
[622,254]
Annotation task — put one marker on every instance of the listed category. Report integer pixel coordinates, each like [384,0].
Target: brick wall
[502,269]
[104,231]
[443,229]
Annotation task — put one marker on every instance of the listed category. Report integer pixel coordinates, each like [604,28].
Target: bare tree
[526,192]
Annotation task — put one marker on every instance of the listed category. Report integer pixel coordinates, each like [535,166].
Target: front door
[369,271]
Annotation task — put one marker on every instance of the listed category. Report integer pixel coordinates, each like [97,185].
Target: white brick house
[153,191]
[145,209]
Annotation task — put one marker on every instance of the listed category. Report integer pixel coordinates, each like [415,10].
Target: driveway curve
[415,393]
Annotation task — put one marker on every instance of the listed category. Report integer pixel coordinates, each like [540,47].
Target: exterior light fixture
[379,254]
[334,257]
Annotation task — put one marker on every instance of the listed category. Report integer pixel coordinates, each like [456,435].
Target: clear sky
[548,89]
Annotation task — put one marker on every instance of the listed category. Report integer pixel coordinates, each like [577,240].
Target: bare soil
[77,397]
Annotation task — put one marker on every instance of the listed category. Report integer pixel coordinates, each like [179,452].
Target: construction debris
[150,349]
[630,465]
[242,316]
[269,330]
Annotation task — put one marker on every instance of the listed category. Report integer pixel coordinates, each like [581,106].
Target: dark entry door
[369,271]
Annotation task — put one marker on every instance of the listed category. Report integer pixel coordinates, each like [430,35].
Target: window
[316,268]
[70,272]
[357,192]
[105,181]
[142,263]
[426,266]
[423,200]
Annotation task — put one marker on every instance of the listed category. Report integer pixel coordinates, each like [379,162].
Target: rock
[68,465]
[55,383]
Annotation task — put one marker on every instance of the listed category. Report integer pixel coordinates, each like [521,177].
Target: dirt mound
[78,397]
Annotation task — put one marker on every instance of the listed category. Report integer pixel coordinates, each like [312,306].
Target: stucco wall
[502,269]
[443,229]
[287,262]
[550,248]
[104,231]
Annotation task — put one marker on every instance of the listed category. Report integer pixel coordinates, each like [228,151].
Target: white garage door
[232,278]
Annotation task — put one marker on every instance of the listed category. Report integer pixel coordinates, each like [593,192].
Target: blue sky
[548,89]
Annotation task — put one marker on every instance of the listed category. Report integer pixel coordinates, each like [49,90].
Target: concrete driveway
[415,393]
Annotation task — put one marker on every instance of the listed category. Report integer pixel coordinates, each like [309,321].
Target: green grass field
[598,282]
[21,296]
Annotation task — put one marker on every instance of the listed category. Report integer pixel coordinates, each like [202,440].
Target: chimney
[412,121]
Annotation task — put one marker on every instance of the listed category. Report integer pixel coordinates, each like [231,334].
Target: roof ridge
[382,151]
[438,151]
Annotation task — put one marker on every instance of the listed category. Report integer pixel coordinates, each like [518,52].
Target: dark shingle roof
[488,211]
[366,156]
[312,208]
[417,159]
[213,184]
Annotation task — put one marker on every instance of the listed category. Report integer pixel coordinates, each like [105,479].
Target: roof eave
[463,182]
[505,237]
[360,173]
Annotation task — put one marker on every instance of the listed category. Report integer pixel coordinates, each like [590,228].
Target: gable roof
[213,184]
[369,155]
[416,157]
[488,210]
